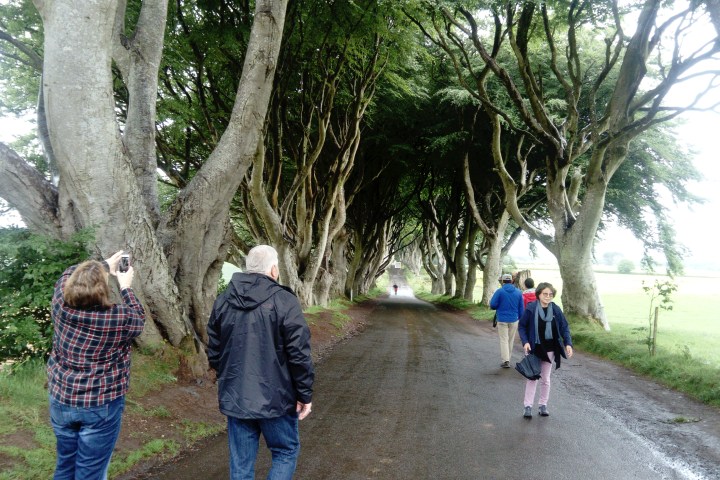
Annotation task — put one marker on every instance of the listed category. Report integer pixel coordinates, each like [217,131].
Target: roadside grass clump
[159,447]
[684,420]
[340,319]
[158,412]
[194,431]
[374,292]
[459,303]
[151,372]
[476,310]
[337,308]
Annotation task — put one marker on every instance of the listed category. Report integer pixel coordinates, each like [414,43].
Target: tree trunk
[338,260]
[448,278]
[472,265]
[574,254]
[107,178]
[351,283]
[322,286]
[491,274]
[579,292]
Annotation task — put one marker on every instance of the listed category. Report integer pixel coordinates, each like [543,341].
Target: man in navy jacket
[259,345]
[507,301]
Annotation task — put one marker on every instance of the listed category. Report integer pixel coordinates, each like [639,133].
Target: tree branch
[34,60]
[23,187]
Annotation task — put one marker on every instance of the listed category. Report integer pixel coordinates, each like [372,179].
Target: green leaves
[29,266]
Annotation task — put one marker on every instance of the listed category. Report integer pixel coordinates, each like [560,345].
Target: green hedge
[29,266]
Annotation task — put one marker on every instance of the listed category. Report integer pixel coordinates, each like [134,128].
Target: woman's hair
[529,283]
[542,286]
[88,286]
[260,259]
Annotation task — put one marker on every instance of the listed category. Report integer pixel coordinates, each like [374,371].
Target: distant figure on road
[529,292]
[89,365]
[395,287]
[507,301]
[544,331]
[259,345]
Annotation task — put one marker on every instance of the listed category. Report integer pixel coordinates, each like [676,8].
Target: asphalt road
[420,395]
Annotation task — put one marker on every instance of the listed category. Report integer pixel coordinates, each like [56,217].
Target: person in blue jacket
[507,301]
[544,331]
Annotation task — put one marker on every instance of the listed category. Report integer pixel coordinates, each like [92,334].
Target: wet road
[420,395]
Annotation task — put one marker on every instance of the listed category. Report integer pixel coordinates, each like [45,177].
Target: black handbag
[529,367]
[495,320]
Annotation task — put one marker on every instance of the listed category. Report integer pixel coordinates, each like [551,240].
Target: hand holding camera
[120,267]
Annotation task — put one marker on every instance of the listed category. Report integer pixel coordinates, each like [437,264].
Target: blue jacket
[526,327]
[508,302]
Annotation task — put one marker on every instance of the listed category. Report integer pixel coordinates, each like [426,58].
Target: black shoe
[543,411]
[505,364]
[528,412]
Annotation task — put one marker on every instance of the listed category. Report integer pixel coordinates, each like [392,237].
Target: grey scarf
[539,313]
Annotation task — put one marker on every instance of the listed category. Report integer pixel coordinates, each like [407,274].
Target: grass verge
[676,369]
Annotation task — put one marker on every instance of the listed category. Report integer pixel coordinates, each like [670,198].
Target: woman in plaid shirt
[89,366]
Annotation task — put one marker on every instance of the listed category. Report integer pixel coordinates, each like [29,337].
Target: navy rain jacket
[259,345]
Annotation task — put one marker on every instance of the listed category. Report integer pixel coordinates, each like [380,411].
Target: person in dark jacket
[259,346]
[545,332]
[507,301]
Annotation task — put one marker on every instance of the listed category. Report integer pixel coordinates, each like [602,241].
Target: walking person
[89,365]
[529,294]
[544,331]
[507,301]
[259,345]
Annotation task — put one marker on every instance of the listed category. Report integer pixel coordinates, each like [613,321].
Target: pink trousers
[531,385]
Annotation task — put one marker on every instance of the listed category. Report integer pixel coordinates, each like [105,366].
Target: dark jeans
[281,436]
[85,438]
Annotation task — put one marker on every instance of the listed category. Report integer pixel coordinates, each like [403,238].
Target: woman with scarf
[544,331]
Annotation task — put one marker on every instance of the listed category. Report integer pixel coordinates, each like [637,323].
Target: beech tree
[107,170]
[298,197]
[585,132]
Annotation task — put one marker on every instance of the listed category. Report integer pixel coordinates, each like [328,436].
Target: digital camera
[124,262]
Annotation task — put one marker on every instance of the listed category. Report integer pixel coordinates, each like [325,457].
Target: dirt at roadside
[187,403]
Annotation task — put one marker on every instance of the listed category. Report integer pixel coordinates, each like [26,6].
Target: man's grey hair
[260,259]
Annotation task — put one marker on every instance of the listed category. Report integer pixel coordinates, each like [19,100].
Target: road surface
[420,395]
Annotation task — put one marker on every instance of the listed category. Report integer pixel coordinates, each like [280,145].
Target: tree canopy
[346,134]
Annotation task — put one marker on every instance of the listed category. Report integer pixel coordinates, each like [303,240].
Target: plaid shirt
[90,360]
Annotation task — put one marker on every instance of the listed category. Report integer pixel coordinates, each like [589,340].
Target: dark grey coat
[259,345]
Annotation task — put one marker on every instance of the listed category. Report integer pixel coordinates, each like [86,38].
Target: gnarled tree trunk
[107,177]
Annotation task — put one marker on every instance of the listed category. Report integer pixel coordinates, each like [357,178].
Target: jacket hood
[248,290]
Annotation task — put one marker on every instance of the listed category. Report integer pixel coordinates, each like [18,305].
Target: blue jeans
[281,436]
[85,438]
